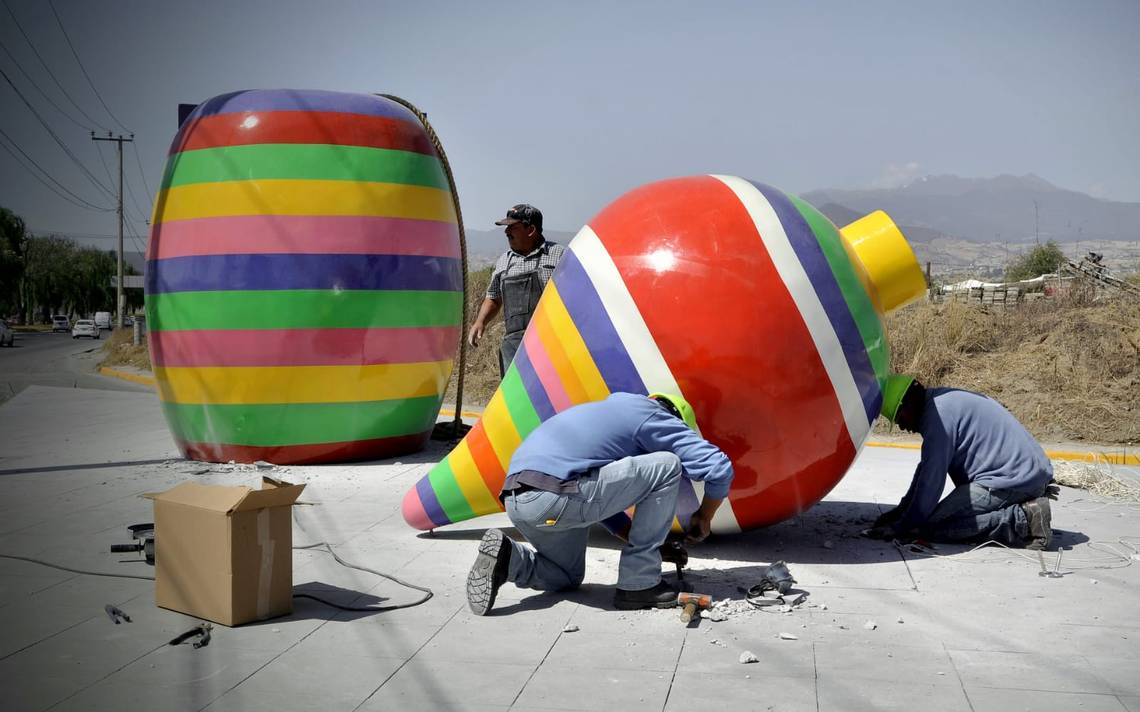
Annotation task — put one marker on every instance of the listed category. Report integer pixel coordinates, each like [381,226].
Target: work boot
[489,571]
[663,595]
[1040,523]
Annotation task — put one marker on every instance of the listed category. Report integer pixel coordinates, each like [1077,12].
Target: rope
[458,422]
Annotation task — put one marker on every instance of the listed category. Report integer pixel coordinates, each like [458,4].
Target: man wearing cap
[517,280]
[587,464]
[1000,473]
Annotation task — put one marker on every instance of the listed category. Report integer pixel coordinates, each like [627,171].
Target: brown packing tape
[265,569]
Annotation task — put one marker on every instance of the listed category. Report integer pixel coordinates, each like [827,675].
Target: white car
[84,327]
[59,322]
[7,336]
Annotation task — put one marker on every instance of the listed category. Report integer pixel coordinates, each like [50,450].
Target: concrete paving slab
[1001,635]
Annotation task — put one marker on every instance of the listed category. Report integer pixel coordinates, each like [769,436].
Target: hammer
[690,603]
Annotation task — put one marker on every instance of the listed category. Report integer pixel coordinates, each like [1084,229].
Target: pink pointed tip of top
[414,513]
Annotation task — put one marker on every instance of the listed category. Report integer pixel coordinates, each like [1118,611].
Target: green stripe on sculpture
[858,302]
[300,423]
[522,411]
[303,309]
[304,162]
[447,491]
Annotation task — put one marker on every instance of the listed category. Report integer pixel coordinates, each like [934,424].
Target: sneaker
[1040,523]
[489,571]
[663,595]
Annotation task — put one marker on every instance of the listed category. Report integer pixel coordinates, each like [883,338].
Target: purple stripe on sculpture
[255,100]
[819,273]
[594,325]
[431,503]
[207,273]
[533,385]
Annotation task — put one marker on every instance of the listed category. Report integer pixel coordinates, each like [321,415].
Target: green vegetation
[41,276]
[1042,259]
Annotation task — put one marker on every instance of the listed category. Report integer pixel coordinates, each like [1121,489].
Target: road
[58,360]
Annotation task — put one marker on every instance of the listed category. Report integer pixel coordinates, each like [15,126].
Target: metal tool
[690,603]
[202,630]
[673,552]
[116,615]
[1056,572]
[143,534]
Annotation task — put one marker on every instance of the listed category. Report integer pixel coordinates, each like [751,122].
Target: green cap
[893,392]
[680,405]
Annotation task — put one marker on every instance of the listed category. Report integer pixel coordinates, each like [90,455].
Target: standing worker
[1000,472]
[584,465]
[517,280]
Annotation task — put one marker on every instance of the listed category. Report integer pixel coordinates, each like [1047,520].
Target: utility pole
[120,299]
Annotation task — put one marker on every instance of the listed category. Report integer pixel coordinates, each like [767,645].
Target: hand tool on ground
[202,629]
[117,616]
[690,603]
[673,552]
[143,534]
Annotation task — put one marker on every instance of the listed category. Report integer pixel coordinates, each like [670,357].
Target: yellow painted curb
[1112,458]
[123,375]
[466,413]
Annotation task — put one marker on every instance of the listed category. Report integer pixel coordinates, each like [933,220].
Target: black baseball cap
[523,213]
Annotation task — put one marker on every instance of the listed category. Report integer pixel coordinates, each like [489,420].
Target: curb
[1120,457]
[127,376]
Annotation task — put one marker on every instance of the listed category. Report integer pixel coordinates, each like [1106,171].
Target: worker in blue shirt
[584,465]
[1000,473]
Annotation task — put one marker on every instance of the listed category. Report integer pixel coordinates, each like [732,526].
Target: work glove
[673,552]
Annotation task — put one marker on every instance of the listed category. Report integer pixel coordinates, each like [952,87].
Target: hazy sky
[568,105]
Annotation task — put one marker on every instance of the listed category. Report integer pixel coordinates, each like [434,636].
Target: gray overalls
[521,293]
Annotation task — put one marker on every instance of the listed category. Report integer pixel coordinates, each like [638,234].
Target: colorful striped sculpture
[303,284]
[747,301]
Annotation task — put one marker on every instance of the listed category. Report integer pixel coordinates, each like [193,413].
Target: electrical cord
[1119,559]
[427,591]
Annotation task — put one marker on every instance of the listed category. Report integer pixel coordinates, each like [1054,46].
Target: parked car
[84,327]
[59,322]
[103,320]
[7,336]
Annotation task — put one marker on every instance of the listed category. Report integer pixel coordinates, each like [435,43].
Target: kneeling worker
[587,464]
[999,471]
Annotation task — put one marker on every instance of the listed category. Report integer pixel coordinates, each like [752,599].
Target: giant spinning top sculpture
[303,285]
[746,300]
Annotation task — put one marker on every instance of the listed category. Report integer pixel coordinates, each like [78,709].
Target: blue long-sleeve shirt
[623,425]
[971,438]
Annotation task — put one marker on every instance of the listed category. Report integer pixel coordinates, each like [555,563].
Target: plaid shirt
[543,258]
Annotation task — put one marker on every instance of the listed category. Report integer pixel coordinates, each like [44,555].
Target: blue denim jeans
[972,512]
[557,525]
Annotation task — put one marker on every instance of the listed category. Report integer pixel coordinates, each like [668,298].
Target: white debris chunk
[900,619]
[788,636]
[570,629]
[748,657]
[716,615]
[870,625]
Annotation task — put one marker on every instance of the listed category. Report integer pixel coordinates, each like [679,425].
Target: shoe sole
[481,588]
[631,606]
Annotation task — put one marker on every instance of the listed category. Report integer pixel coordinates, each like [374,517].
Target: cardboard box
[225,553]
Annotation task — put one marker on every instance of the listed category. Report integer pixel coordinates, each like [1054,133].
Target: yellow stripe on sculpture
[470,483]
[501,431]
[302,384]
[304,197]
[575,348]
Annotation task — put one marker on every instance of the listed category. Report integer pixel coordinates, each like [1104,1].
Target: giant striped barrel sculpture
[746,300]
[303,284]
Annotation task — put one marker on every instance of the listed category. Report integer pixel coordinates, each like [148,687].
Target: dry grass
[481,376]
[120,351]
[1069,370]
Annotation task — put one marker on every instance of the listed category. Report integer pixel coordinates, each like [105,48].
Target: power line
[45,66]
[78,201]
[146,183]
[57,139]
[57,107]
[83,69]
[139,214]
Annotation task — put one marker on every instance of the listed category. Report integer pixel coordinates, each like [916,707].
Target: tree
[13,239]
[1042,259]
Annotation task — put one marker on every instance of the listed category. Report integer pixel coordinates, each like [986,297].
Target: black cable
[45,66]
[54,136]
[82,203]
[327,548]
[390,577]
[48,99]
[84,69]
[138,161]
